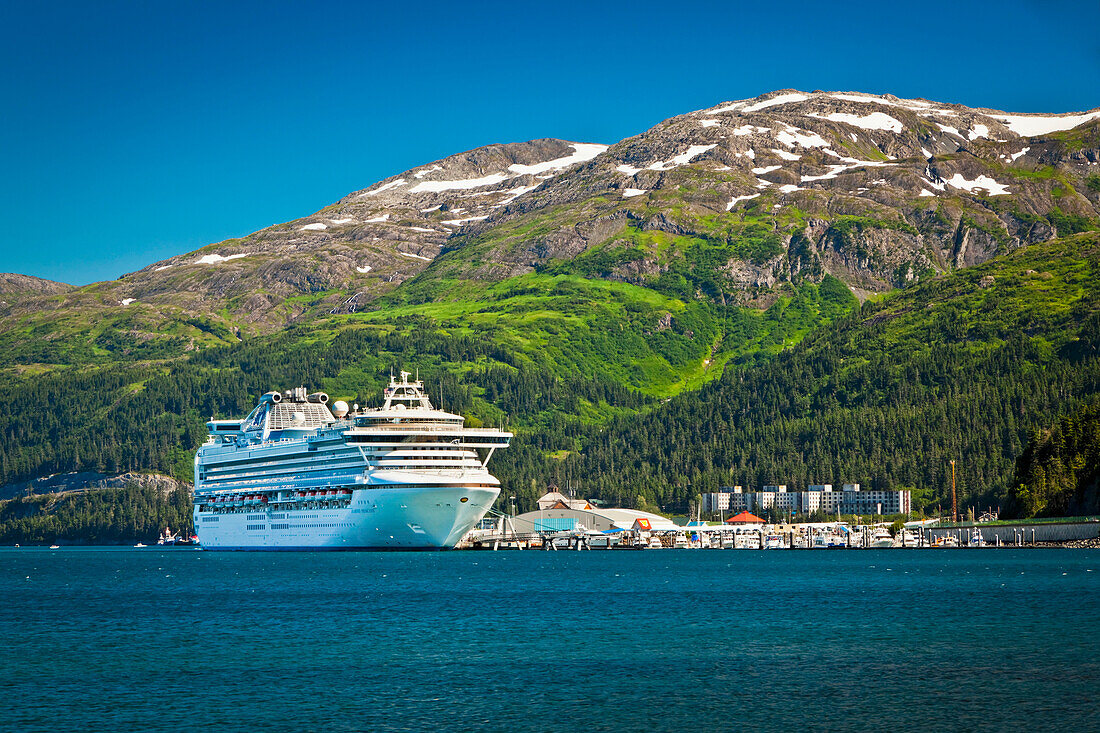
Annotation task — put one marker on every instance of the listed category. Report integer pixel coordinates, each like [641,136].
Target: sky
[132,132]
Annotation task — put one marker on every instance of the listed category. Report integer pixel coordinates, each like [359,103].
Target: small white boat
[881,539]
[908,538]
[774,542]
[140,545]
[55,547]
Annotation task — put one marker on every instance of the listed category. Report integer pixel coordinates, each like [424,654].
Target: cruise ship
[298,475]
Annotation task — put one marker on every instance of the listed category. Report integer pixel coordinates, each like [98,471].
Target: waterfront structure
[817,497]
[557,513]
[746,518]
[296,475]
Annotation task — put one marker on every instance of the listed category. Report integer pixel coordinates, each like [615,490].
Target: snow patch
[437,207]
[790,187]
[693,151]
[785,155]
[873,121]
[848,164]
[158,269]
[978,131]
[315,227]
[377,219]
[1014,156]
[437,186]
[126,301]
[948,128]
[415,257]
[628,192]
[768,169]
[733,202]
[926,153]
[793,136]
[709,123]
[423,229]
[981,182]
[215,259]
[363,270]
[749,130]
[926,192]
[1029,125]
[426,171]
[516,193]
[781,99]
[581,152]
[629,169]
[342,221]
[386,187]
[727,108]
[460,222]
[912,104]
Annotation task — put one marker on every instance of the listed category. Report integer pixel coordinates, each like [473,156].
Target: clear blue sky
[130,132]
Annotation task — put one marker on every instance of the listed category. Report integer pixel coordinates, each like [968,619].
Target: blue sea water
[713,640]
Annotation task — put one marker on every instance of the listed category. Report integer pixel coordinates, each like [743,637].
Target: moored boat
[296,474]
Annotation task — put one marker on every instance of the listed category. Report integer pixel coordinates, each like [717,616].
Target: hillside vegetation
[964,367]
[1059,472]
[800,288]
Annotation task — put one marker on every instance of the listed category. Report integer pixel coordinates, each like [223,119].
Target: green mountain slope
[963,367]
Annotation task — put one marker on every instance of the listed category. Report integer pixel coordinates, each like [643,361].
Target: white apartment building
[817,497]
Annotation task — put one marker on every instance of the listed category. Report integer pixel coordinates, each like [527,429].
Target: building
[817,498]
[558,513]
[745,518]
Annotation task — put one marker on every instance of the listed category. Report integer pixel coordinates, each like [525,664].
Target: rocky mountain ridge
[727,203]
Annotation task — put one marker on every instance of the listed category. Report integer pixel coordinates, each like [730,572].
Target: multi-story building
[817,498]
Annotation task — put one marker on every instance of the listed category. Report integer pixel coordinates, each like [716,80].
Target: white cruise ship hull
[375,519]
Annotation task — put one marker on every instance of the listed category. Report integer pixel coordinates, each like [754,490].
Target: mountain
[572,289]
[732,203]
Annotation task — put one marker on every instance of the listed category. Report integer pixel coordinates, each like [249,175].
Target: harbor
[564,523]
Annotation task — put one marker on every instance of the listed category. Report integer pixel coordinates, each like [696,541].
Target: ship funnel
[318,397]
[273,397]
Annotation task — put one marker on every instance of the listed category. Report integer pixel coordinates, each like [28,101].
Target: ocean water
[664,640]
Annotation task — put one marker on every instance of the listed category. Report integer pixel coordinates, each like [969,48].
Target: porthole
[464,499]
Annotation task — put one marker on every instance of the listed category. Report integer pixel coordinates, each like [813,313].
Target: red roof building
[745,518]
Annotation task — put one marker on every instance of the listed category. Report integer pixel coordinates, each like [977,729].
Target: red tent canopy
[745,518]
